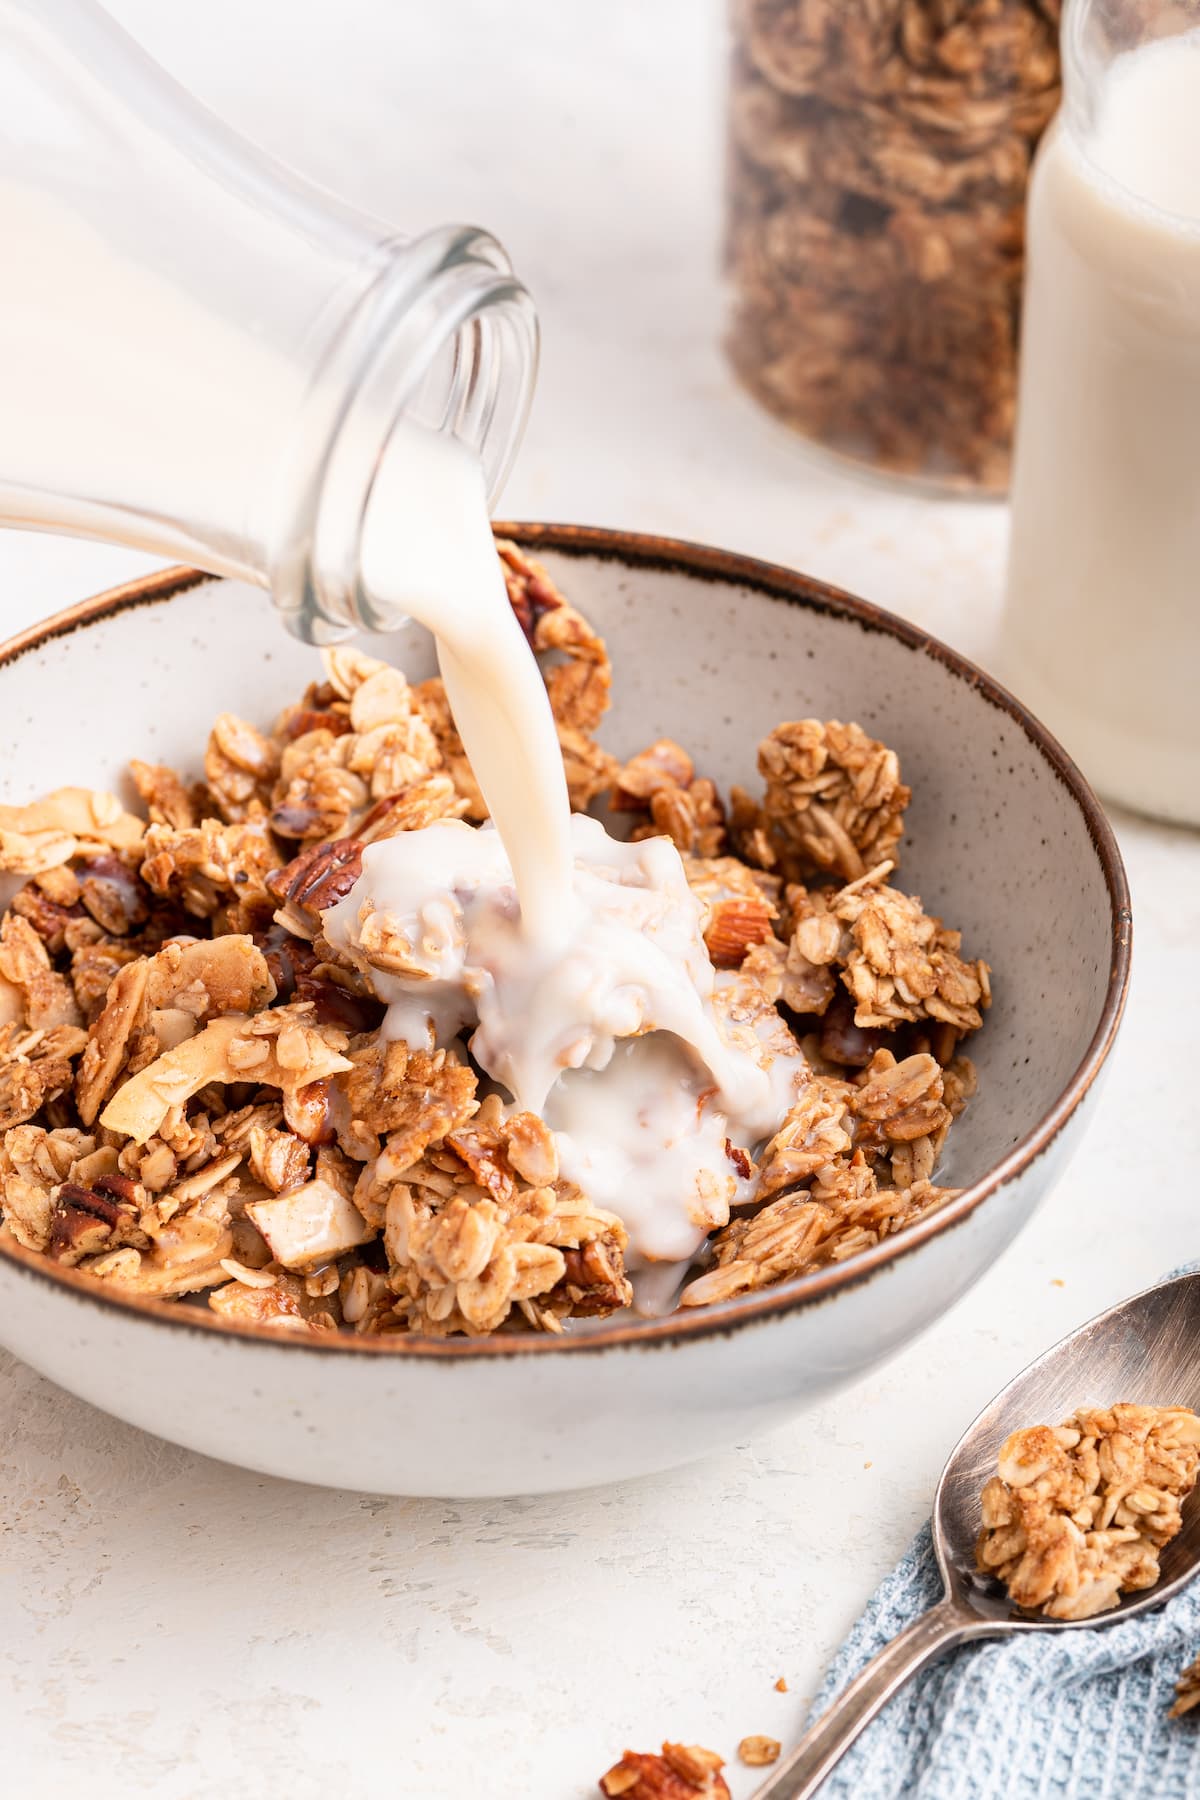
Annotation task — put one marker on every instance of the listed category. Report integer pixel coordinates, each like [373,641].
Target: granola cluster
[1077,1514]
[878,159]
[198,1101]
[682,1772]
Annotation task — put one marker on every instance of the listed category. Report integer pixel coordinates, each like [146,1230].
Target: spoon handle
[823,1744]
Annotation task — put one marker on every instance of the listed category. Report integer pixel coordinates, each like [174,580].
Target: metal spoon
[1146,1350]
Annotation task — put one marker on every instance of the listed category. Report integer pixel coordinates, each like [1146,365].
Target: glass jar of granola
[201,355]
[879,152]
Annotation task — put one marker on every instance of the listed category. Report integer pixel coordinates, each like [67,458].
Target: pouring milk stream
[574,964]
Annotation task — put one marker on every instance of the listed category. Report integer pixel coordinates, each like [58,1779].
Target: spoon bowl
[1146,1351]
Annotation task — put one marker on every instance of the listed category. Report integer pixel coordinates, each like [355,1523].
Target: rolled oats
[44,998]
[842,1212]
[69,822]
[834,801]
[36,1067]
[468,1240]
[878,157]
[662,783]
[899,964]
[1077,1513]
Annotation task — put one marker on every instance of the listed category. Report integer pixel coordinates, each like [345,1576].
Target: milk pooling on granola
[609,1032]
[428,551]
[575,962]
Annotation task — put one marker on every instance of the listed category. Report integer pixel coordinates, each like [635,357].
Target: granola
[879,152]
[682,1772]
[759,1752]
[1077,1514]
[200,1101]
[1187,1691]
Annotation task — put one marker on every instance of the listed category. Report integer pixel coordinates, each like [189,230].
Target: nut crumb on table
[197,1102]
[757,1752]
[682,1772]
[1077,1514]
[1187,1691]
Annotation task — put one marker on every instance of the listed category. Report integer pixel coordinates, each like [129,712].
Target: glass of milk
[1101,631]
[204,356]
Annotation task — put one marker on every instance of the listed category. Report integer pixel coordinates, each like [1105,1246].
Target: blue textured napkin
[1060,1715]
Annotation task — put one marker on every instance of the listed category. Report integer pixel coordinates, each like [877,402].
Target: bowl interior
[997,842]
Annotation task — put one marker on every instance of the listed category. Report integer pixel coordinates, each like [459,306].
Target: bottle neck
[445,338]
[202,355]
[1095,33]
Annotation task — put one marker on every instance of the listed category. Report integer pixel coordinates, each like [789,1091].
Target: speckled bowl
[1007,841]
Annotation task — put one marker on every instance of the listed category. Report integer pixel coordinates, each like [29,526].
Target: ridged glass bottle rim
[446,336]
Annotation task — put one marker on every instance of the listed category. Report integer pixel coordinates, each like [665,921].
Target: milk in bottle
[1102,624]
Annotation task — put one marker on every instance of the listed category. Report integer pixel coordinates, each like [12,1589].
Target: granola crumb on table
[682,1772]
[1077,1513]
[197,1098]
[1187,1691]
[758,1752]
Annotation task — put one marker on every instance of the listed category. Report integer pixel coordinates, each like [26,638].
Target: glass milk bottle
[1102,624]
[203,356]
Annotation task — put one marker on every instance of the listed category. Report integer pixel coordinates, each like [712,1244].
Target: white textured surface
[174,1627]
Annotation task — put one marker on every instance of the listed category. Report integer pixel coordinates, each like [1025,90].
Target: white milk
[610,1032]
[575,964]
[428,550]
[1102,627]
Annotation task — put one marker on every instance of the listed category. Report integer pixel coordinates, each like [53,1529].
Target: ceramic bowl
[1006,841]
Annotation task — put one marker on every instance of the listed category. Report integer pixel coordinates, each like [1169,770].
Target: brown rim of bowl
[638,550]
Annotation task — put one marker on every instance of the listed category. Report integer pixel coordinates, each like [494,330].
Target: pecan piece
[594,1282]
[306,718]
[740,1160]
[87,1220]
[319,876]
[113,894]
[309,1111]
[49,918]
[682,1772]
[841,1040]
[531,593]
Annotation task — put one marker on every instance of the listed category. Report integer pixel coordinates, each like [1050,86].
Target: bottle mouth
[444,337]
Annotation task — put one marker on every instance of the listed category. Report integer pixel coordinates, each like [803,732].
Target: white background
[177,1628]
